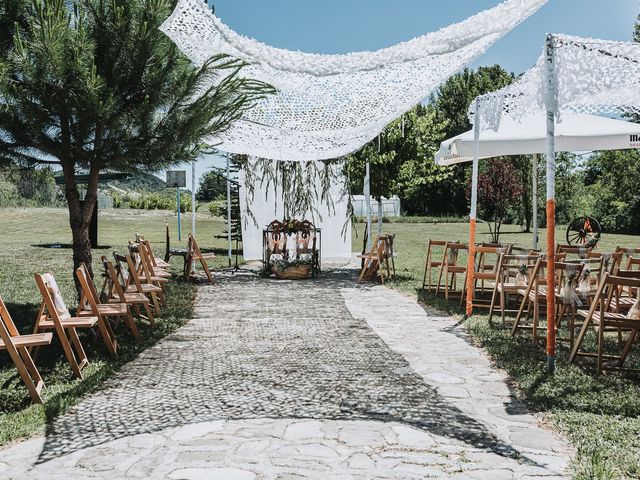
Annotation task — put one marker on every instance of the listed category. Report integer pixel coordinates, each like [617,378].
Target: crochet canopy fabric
[328,106]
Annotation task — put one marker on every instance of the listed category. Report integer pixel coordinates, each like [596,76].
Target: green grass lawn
[22,236]
[601,416]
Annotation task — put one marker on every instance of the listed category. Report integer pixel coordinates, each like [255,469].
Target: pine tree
[94,85]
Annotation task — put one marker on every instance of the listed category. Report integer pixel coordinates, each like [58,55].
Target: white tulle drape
[328,106]
[591,76]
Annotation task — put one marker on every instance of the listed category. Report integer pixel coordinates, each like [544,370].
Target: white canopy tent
[328,106]
[573,75]
[528,136]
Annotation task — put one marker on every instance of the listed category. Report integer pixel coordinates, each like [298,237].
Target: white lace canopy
[591,76]
[328,106]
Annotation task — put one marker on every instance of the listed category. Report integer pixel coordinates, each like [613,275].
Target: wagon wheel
[583,231]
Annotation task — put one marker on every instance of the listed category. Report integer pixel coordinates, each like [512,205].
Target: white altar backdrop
[336,239]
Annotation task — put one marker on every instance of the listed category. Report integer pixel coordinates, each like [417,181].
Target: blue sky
[341,26]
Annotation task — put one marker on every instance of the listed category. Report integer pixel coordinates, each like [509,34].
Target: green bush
[218,208]
[160,201]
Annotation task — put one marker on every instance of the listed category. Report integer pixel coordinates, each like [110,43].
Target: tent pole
[367,199]
[193,198]
[380,215]
[551,107]
[534,195]
[474,212]
[230,252]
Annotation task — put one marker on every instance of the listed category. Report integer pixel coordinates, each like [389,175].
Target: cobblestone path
[291,380]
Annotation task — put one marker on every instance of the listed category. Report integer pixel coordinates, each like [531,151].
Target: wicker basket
[298,272]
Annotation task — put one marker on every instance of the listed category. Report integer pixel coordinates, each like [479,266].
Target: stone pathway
[291,380]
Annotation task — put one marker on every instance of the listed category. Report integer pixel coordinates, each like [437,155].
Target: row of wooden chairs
[133,284]
[594,287]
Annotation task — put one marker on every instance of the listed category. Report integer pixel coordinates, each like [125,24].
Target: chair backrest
[388,239]
[580,250]
[633,263]
[113,279]
[88,297]
[145,262]
[629,251]
[128,270]
[612,285]
[509,266]
[451,251]
[492,254]
[523,251]
[53,303]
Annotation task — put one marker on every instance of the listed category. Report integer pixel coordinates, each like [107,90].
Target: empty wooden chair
[431,264]
[195,254]
[114,289]
[485,266]
[451,269]
[157,261]
[372,261]
[133,284]
[513,274]
[145,270]
[54,315]
[90,305]
[601,317]
[18,347]
[535,294]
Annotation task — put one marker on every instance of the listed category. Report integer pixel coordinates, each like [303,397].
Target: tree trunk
[80,216]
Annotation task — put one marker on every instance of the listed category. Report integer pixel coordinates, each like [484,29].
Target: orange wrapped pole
[551,106]
[474,212]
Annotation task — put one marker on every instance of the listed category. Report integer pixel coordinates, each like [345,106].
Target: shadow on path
[264,348]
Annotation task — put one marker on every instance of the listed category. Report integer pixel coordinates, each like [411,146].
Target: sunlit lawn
[22,236]
[601,416]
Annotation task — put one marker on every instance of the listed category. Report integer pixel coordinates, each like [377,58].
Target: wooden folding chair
[485,264]
[54,315]
[90,305]
[18,347]
[372,262]
[196,255]
[427,281]
[535,294]
[114,291]
[450,269]
[601,317]
[513,274]
[146,271]
[628,251]
[156,261]
[133,283]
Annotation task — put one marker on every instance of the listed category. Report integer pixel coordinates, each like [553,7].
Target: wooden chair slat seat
[19,349]
[73,322]
[31,340]
[145,287]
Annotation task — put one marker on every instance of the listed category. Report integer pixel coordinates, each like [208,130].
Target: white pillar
[551,89]
[534,201]
[474,211]
[380,216]
[229,239]
[367,200]
[193,198]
